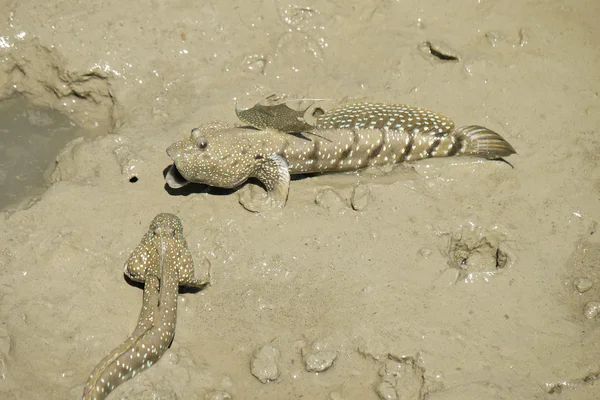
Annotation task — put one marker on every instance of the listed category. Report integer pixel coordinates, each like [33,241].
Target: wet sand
[456,279]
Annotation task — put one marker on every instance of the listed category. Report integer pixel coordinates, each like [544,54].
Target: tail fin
[481,142]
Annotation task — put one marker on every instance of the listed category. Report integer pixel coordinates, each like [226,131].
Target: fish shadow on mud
[195,188]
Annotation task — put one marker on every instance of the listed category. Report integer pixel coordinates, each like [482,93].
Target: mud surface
[444,279]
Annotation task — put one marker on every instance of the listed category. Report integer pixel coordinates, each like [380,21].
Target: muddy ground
[449,279]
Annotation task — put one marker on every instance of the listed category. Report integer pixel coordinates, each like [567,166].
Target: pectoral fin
[273,171]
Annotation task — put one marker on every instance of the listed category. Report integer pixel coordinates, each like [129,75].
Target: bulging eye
[202,144]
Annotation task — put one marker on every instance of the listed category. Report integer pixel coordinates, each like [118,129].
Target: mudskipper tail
[481,142]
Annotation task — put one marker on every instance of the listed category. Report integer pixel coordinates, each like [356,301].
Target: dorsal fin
[274,112]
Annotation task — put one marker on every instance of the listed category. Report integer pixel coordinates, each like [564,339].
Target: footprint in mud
[401,378]
[477,254]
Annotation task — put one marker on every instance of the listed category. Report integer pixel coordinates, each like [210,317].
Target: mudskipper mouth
[174,179]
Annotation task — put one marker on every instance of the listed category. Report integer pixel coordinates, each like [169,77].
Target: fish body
[349,137]
[162,262]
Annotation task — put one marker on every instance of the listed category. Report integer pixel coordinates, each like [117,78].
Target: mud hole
[44,106]
[30,139]
[477,253]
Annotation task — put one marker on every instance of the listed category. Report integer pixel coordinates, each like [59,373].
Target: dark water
[30,139]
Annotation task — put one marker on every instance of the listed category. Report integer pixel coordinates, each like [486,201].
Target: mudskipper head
[164,235]
[163,246]
[214,155]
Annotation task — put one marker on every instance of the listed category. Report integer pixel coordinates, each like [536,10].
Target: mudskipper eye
[202,144]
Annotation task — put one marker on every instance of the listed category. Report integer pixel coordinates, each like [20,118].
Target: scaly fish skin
[162,262]
[349,137]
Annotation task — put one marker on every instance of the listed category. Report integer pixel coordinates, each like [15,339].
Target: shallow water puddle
[30,139]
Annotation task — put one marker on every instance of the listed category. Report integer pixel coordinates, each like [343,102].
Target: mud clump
[318,357]
[330,200]
[264,364]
